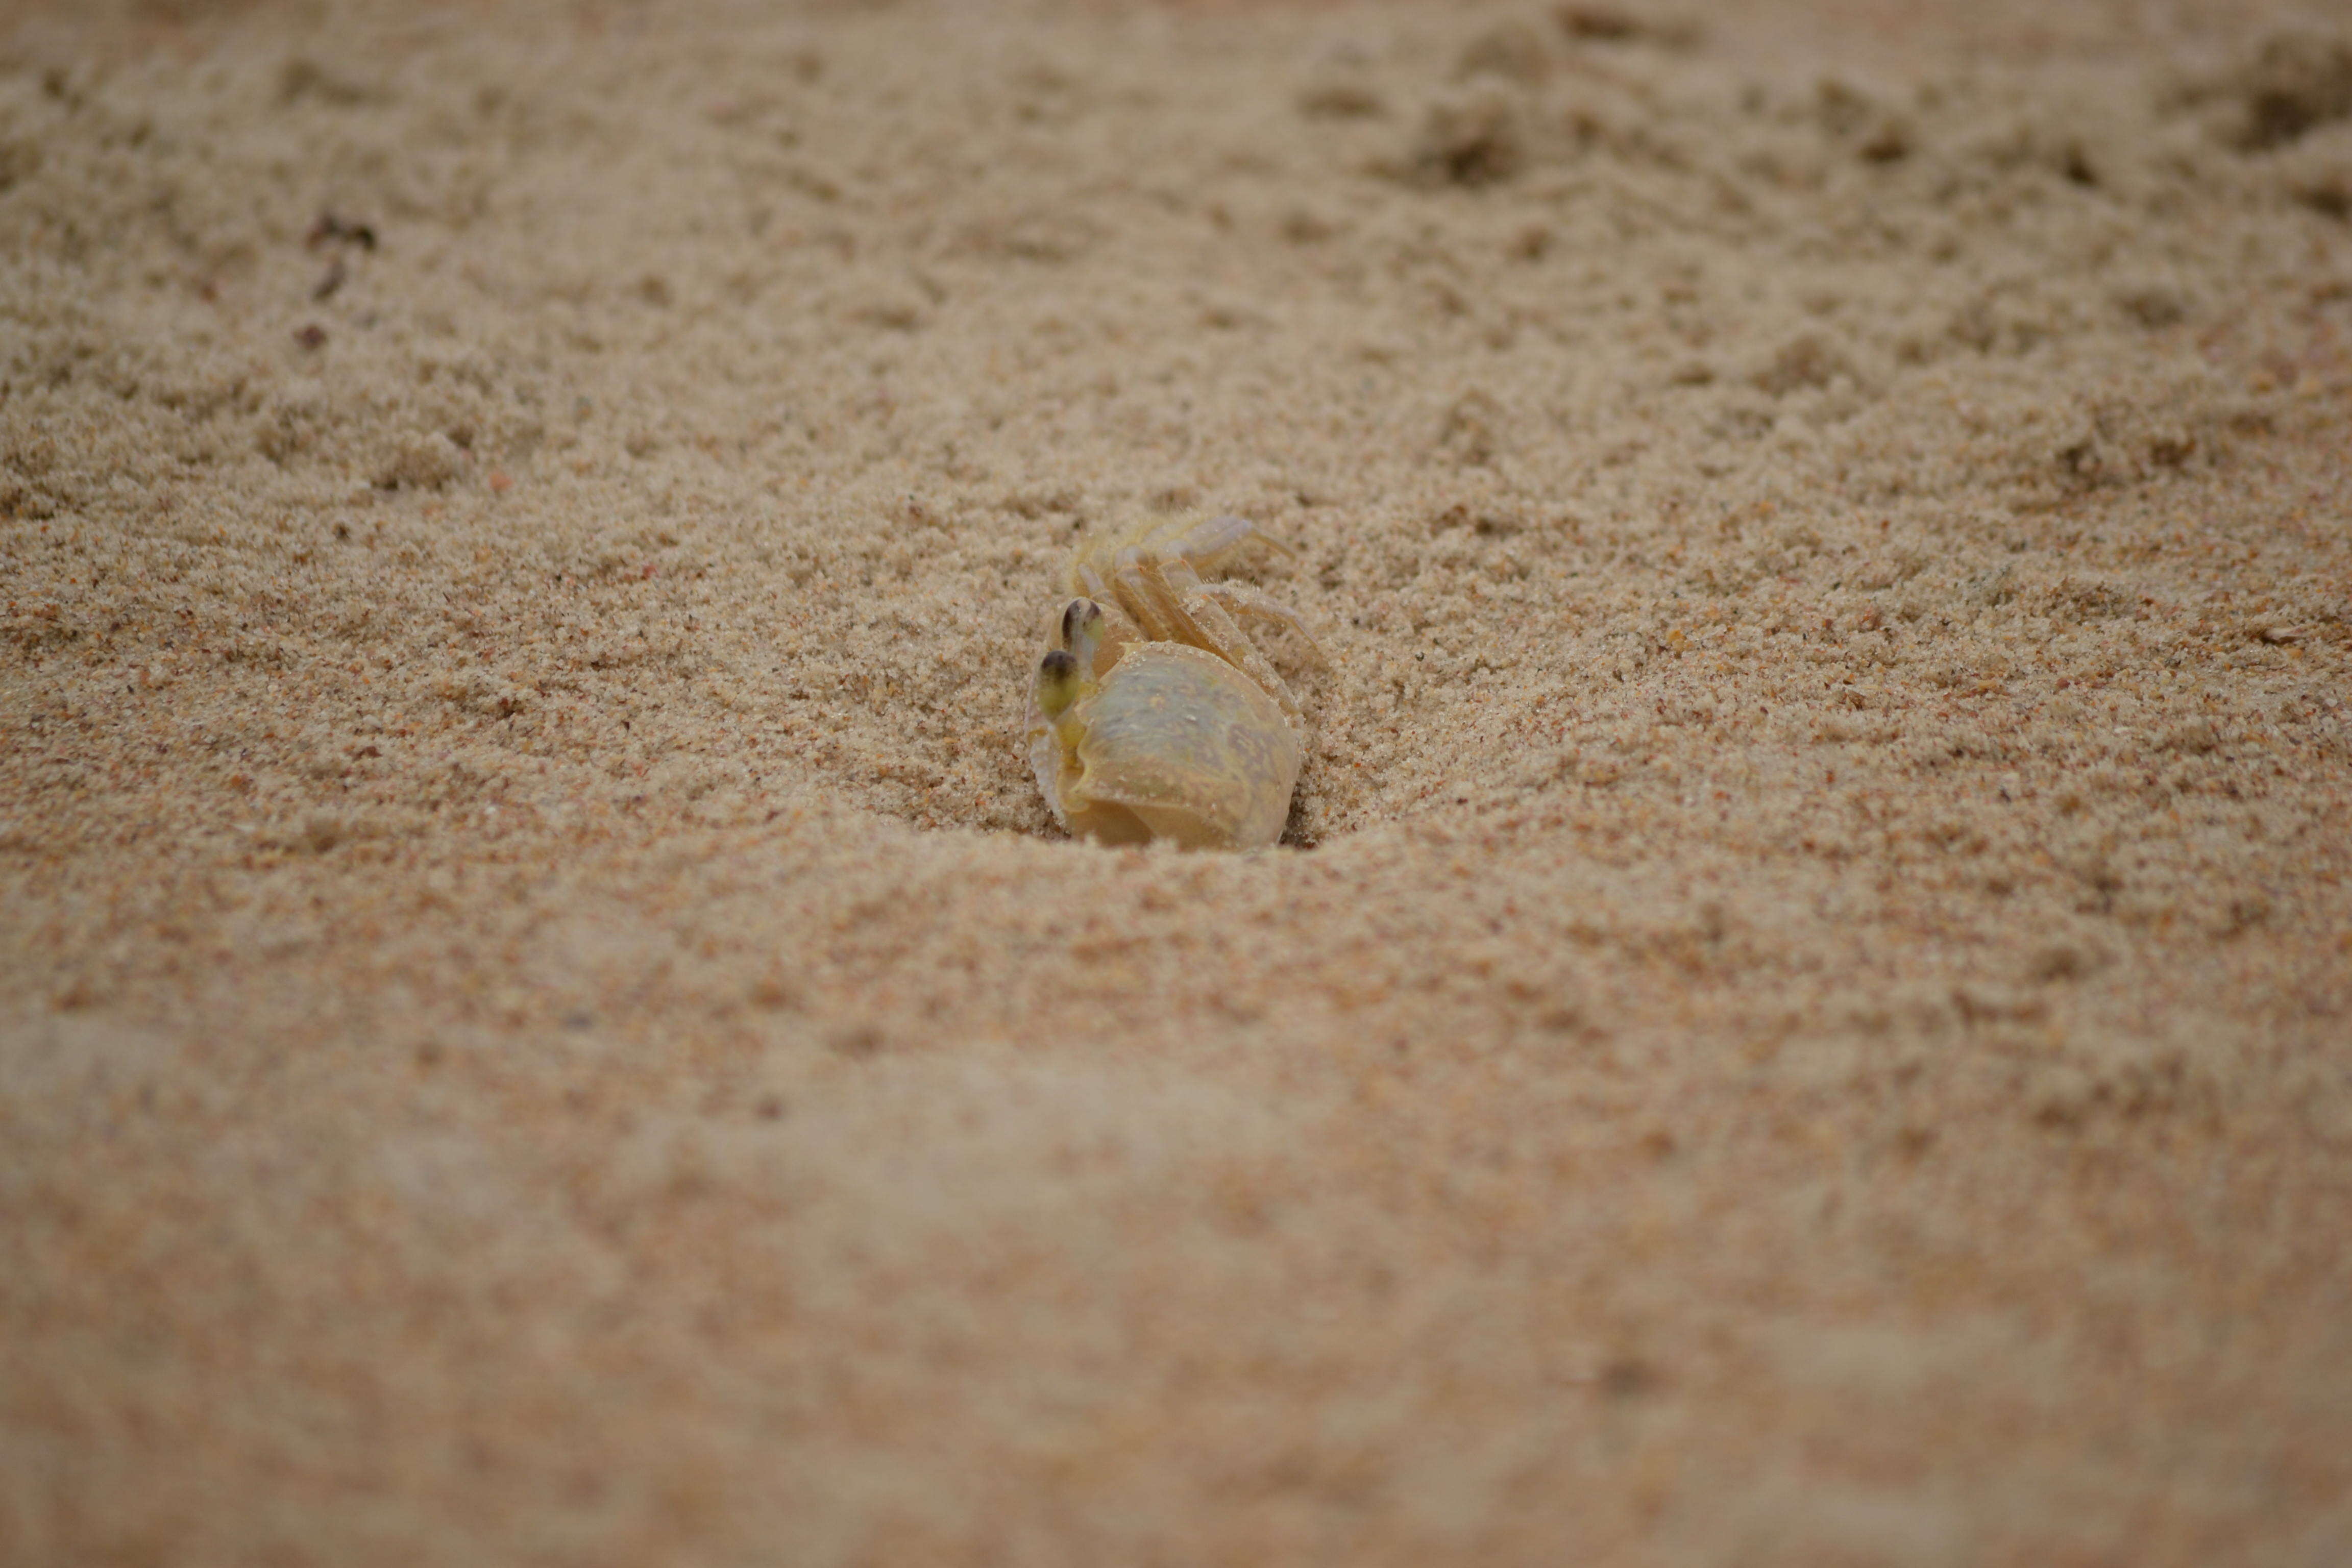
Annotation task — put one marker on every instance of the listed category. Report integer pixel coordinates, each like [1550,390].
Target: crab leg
[1085,580]
[1244,601]
[1239,600]
[1145,593]
[1206,546]
[1203,620]
[1220,636]
[1212,629]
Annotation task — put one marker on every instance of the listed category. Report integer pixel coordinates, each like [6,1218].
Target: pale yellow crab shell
[1178,744]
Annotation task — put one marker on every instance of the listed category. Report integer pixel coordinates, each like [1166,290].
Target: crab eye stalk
[1082,627]
[1058,683]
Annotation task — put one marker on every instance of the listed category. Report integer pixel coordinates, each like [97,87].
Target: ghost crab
[1152,716]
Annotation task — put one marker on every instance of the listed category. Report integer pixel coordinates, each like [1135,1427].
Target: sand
[1804,1012]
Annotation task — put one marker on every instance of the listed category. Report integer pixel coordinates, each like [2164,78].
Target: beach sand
[1804,1012]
